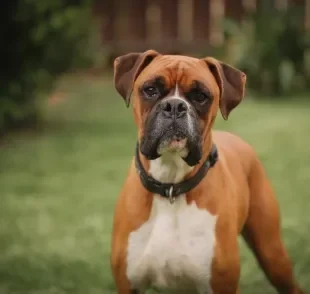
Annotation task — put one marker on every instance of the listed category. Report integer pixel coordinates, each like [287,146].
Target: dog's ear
[231,82]
[126,70]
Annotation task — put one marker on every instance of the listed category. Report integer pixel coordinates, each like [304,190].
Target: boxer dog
[190,191]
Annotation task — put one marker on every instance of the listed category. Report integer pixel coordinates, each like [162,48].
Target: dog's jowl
[190,190]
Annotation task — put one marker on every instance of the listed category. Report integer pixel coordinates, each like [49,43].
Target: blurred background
[66,137]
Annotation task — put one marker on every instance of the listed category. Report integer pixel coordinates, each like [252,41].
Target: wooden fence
[173,25]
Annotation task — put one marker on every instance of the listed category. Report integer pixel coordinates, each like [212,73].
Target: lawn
[58,187]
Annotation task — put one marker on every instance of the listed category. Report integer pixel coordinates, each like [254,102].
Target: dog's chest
[173,249]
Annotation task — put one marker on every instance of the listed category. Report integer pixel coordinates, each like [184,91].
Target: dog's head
[176,99]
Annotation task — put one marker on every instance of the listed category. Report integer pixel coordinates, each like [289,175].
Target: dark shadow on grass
[40,273]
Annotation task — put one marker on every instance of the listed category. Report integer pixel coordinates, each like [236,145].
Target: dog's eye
[151,92]
[199,97]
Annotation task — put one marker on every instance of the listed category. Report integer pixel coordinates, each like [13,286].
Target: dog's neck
[169,168]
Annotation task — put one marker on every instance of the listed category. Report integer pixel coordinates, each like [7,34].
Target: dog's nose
[174,108]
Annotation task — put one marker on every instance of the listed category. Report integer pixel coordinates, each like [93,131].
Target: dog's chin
[188,150]
[173,145]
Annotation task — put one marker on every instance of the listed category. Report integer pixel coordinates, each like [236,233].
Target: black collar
[170,190]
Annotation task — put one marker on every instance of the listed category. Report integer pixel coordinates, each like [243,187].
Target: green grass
[58,188]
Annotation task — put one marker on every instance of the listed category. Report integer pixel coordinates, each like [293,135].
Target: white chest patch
[173,250]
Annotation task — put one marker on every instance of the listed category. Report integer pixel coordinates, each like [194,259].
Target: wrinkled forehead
[181,71]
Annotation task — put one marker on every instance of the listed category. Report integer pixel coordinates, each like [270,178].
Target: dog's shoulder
[232,141]
[234,149]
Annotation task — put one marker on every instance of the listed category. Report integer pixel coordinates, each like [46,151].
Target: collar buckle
[170,195]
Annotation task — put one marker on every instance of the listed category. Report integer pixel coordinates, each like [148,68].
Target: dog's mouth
[172,141]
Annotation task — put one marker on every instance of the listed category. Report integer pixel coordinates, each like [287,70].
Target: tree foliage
[272,46]
[39,40]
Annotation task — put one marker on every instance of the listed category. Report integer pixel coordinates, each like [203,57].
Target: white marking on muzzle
[176,95]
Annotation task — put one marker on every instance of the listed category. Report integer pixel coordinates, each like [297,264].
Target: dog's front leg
[226,264]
